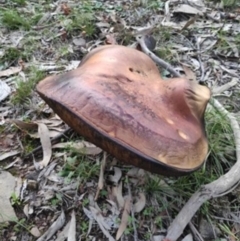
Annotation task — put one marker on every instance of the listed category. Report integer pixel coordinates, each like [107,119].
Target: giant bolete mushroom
[117,100]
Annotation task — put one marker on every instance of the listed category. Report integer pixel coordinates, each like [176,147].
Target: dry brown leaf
[46,144]
[125,215]
[10,71]
[82,147]
[140,204]
[117,193]
[190,22]
[26,126]
[65,9]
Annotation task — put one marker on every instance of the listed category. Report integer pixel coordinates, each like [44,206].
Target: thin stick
[155,58]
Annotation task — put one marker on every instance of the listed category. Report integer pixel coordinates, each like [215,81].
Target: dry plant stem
[211,190]
[156,59]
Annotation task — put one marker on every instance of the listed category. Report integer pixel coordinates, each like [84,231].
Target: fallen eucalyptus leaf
[35,232]
[7,186]
[116,176]
[140,204]
[58,224]
[5,90]
[10,71]
[6,155]
[125,215]
[102,225]
[46,144]
[64,233]
[72,228]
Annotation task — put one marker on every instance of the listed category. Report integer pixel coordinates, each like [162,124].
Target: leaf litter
[202,42]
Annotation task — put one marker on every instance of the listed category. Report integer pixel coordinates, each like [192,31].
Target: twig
[156,59]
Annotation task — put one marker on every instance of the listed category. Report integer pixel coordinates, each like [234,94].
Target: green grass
[227,3]
[12,20]
[79,166]
[25,88]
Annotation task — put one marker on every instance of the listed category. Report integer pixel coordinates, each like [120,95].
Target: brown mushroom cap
[117,100]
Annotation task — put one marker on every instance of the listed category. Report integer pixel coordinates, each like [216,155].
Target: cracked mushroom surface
[117,100]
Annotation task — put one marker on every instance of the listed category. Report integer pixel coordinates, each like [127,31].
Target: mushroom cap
[117,100]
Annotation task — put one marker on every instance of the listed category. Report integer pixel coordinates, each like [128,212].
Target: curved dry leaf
[140,204]
[10,71]
[33,126]
[82,147]
[25,210]
[116,176]
[125,215]
[26,126]
[102,225]
[136,176]
[114,208]
[117,193]
[52,122]
[46,144]
[6,155]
